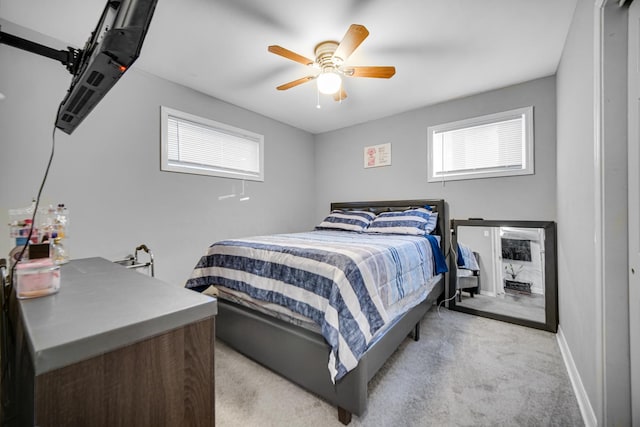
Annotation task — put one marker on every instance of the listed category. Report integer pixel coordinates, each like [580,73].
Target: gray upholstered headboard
[438,205]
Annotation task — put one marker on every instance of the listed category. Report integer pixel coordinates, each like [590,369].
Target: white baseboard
[588,415]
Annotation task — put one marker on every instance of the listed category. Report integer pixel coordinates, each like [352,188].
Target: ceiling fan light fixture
[330,60]
[329,83]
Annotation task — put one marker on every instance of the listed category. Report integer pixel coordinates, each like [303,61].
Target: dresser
[114,347]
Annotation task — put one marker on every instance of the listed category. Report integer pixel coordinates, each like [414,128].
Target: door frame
[633,173]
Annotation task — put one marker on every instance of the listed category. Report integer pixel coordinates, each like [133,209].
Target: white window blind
[495,145]
[196,145]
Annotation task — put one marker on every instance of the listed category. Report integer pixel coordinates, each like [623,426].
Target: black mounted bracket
[68,58]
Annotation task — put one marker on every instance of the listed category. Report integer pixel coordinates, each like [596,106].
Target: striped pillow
[347,220]
[431,223]
[412,221]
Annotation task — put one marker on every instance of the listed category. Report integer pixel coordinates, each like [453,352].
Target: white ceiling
[442,49]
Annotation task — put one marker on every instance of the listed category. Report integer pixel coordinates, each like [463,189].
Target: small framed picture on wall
[377,155]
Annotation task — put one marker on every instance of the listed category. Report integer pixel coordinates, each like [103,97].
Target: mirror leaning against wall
[505,270]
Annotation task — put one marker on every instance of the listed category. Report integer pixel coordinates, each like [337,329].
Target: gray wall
[108,171]
[341,176]
[594,312]
[576,199]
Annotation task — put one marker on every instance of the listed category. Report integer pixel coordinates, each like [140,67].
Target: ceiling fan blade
[340,95]
[351,40]
[295,83]
[279,50]
[375,72]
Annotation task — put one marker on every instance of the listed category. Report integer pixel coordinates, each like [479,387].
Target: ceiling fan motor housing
[324,56]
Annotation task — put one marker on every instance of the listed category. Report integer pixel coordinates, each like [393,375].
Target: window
[498,144]
[192,144]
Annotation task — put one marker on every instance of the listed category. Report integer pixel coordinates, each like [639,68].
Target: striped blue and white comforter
[343,281]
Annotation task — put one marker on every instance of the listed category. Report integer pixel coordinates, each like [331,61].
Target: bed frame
[301,355]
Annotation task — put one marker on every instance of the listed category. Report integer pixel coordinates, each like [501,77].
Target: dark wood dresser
[114,348]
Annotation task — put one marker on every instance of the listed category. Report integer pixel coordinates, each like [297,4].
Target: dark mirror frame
[551,277]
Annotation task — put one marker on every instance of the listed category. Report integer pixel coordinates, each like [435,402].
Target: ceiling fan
[330,59]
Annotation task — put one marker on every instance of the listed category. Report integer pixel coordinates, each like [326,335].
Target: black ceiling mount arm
[68,58]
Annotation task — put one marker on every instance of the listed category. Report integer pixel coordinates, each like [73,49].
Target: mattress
[287,315]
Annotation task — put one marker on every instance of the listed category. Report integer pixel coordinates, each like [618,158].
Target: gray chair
[468,282]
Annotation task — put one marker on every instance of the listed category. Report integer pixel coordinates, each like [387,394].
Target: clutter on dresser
[40,248]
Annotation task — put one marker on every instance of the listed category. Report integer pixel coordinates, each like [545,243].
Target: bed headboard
[438,205]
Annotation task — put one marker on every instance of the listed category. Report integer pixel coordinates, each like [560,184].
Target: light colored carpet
[464,371]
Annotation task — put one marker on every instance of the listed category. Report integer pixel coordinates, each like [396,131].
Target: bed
[321,358]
